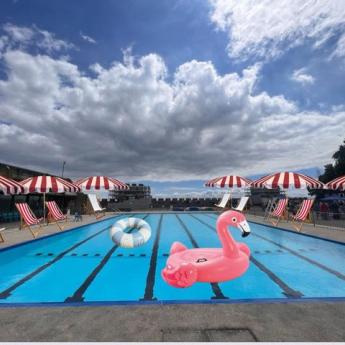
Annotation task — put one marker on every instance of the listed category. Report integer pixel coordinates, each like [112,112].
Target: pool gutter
[172,302]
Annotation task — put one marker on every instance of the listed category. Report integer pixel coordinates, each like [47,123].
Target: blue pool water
[84,265]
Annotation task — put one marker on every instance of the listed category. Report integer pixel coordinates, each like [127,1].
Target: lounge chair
[98,211]
[242,204]
[279,211]
[27,218]
[302,214]
[55,214]
[224,201]
[1,237]
[269,208]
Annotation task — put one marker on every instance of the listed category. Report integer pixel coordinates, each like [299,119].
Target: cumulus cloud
[21,37]
[266,28]
[87,38]
[131,121]
[302,77]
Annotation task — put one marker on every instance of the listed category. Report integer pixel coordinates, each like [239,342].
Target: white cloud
[340,49]
[132,122]
[50,43]
[87,38]
[265,28]
[20,37]
[302,77]
[17,33]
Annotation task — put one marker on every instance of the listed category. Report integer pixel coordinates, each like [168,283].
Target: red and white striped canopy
[288,180]
[100,183]
[230,181]
[337,184]
[9,186]
[46,184]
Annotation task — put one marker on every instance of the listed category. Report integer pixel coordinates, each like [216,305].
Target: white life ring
[127,240]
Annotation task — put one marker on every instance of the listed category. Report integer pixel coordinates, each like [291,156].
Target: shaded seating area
[28,219]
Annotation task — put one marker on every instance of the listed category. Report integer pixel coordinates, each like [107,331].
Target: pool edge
[55,234]
[173,302]
[298,233]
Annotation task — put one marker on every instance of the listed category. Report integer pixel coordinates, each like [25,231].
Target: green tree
[328,175]
[337,169]
[339,158]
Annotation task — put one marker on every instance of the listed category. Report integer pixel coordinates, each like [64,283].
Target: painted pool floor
[85,266]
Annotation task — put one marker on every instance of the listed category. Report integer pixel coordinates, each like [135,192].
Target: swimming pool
[83,266]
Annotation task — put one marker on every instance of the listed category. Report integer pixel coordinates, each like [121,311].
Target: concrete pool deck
[216,322]
[282,321]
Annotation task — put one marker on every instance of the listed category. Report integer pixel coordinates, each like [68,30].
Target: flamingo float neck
[230,247]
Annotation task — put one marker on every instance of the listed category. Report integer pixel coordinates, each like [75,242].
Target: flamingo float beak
[244,227]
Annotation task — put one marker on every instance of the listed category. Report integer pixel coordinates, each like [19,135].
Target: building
[18,173]
[138,196]
[8,211]
[260,196]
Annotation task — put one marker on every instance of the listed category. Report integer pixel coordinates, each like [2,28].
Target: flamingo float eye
[201,260]
[234,219]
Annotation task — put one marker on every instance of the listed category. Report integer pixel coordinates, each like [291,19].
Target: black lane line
[215,287]
[151,275]
[287,290]
[7,292]
[311,261]
[78,295]
[208,215]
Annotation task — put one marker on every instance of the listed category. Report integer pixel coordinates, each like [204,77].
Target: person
[324,210]
[77,217]
[335,210]
[341,209]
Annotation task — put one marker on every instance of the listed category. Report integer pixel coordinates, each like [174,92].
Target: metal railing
[330,220]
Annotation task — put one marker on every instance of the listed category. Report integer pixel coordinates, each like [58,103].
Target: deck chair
[27,218]
[302,214]
[1,237]
[279,211]
[271,204]
[98,211]
[55,214]
[224,201]
[242,204]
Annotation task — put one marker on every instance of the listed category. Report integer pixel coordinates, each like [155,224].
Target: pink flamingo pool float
[187,266]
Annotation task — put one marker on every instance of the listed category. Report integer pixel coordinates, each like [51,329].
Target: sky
[171,92]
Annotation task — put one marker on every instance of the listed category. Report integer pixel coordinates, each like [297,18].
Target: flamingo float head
[235,219]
